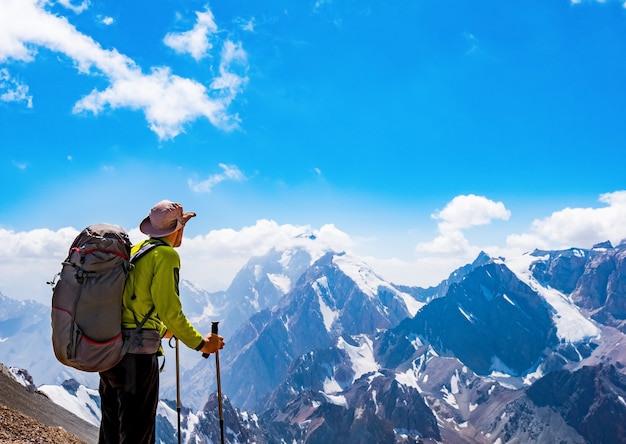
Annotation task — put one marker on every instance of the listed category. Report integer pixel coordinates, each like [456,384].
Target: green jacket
[153,281]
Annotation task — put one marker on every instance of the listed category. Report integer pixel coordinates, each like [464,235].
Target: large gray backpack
[87,299]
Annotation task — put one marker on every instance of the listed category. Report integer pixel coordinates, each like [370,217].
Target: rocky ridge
[28,416]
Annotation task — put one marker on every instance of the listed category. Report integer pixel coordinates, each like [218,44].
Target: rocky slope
[27,415]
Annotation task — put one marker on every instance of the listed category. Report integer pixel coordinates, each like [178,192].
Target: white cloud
[462,212]
[213,260]
[230,172]
[229,82]
[108,21]
[75,8]
[564,228]
[167,100]
[12,90]
[29,259]
[470,210]
[578,227]
[249,25]
[450,242]
[35,244]
[195,41]
[526,242]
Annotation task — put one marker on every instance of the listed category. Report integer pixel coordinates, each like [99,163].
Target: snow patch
[329,316]
[280,281]
[449,398]
[258,272]
[83,404]
[467,316]
[530,378]
[375,401]
[209,312]
[571,325]
[20,376]
[369,282]
[506,298]
[361,356]
[454,383]
[331,386]
[171,415]
[339,400]
[409,379]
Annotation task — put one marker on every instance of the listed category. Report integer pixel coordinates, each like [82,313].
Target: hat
[165,218]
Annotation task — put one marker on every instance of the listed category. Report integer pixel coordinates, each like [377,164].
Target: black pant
[129,394]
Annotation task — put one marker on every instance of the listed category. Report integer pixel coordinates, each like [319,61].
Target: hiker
[129,391]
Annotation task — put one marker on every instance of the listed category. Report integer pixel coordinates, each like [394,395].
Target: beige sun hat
[165,218]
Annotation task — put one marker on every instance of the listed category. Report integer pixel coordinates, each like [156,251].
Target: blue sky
[415,133]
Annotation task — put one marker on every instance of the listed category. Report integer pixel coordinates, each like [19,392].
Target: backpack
[87,299]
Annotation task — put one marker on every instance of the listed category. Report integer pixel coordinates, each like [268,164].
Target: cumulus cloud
[462,212]
[11,90]
[564,228]
[75,8]
[195,41]
[168,101]
[229,172]
[212,260]
[577,227]
[229,82]
[470,210]
[29,259]
[39,243]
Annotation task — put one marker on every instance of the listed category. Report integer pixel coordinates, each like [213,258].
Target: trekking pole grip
[213,331]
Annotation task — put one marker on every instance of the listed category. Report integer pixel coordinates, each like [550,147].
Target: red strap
[116,253]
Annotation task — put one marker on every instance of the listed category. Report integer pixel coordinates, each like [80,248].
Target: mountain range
[322,349]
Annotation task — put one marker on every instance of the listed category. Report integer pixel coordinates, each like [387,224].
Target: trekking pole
[219,383]
[178,388]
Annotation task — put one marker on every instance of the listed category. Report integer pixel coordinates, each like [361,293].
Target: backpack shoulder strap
[145,248]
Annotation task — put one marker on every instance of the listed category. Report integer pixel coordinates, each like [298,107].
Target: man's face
[179,238]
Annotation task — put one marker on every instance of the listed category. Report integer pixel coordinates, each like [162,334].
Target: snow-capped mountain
[19,394]
[601,288]
[479,357]
[78,399]
[25,332]
[261,283]
[333,353]
[337,295]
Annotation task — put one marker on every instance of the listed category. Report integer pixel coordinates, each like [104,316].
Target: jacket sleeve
[166,298]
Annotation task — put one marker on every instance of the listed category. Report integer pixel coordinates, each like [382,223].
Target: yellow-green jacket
[153,281]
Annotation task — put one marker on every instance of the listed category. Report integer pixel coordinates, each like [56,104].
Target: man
[129,391]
